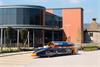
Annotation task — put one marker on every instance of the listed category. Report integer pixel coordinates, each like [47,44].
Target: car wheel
[68,51]
[74,52]
[49,54]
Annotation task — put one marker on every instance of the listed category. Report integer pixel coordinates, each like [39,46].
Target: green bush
[89,48]
[10,50]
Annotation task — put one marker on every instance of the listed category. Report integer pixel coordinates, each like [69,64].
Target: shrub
[89,48]
[9,50]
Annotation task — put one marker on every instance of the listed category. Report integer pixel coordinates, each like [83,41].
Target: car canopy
[62,43]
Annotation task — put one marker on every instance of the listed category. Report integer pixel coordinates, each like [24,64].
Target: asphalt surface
[83,59]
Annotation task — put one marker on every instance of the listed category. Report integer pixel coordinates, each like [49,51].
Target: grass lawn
[90,47]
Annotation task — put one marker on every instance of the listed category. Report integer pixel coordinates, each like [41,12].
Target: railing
[31,26]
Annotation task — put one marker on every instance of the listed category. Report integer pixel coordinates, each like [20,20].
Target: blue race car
[56,48]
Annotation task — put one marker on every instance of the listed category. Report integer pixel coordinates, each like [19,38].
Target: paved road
[84,59]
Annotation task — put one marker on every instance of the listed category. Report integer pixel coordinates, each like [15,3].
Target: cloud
[74,1]
[61,1]
[41,1]
[89,10]
[1,2]
[70,1]
[45,0]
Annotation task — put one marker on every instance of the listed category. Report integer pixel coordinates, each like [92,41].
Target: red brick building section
[73,24]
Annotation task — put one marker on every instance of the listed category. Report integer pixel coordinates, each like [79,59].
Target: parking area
[83,59]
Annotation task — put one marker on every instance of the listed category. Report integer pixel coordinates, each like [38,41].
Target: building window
[58,17]
[91,34]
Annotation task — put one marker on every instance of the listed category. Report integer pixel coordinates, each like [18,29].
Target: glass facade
[18,16]
[21,16]
[54,19]
[49,20]
[7,16]
[58,17]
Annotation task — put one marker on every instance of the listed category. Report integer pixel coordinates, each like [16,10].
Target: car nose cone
[34,54]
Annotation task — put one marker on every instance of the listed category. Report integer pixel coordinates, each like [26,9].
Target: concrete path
[16,53]
[84,59]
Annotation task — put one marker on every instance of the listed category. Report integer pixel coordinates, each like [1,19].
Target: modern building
[43,24]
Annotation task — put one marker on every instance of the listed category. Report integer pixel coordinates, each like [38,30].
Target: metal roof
[21,6]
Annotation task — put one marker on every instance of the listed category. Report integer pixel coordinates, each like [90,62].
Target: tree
[9,33]
[24,33]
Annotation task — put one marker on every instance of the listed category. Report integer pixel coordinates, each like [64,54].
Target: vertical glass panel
[19,16]
[1,19]
[26,15]
[50,19]
[1,12]
[36,16]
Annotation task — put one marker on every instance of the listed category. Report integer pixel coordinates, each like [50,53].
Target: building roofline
[66,8]
[21,6]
